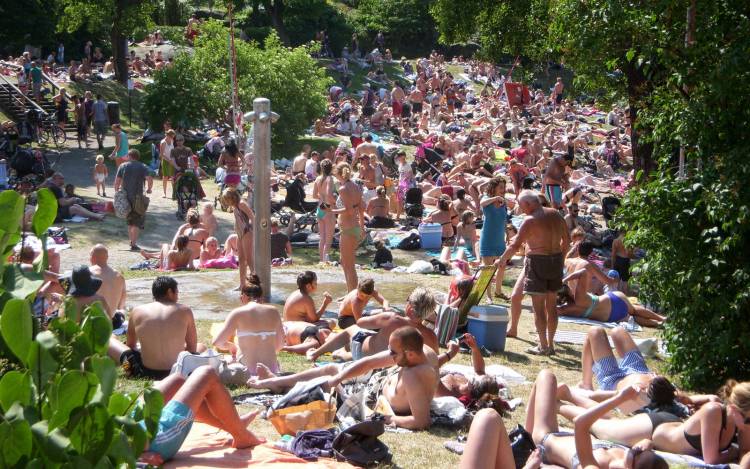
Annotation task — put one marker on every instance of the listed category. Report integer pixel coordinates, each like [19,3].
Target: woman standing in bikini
[258,334]
[351,210]
[323,190]
[243,227]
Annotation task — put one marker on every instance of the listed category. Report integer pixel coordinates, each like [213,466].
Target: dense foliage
[197,86]
[407,25]
[59,407]
[697,230]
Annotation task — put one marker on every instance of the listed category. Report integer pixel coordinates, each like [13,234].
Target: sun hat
[82,283]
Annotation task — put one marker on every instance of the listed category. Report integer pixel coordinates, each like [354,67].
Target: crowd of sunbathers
[476,158]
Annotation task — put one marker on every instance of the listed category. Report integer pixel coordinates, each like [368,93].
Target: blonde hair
[231,197]
[422,301]
[737,394]
[343,170]
[100,158]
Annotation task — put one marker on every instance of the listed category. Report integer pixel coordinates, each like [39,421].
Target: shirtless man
[406,389]
[416,98]
[113,283]
[547,239]
[164,328]
[370,334]
[397,100]
[556,180]
[299,306]
[353,304]
[557,92]
[364,148]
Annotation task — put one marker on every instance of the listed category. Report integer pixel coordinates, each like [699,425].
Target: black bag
[522,445]
[359,444]
[411,242]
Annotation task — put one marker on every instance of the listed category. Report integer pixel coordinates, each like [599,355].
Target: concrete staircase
[15,104]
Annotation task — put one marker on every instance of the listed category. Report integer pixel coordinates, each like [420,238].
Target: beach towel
[649,347]
[502,373]
[608,325]
[207,447]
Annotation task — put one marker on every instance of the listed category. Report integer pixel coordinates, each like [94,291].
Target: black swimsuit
[695,440]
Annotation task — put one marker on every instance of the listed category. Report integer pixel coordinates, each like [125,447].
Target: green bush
[59,407]
[407,25]
[197,87]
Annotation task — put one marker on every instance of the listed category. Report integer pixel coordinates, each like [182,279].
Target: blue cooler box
[431,235]
[488,324]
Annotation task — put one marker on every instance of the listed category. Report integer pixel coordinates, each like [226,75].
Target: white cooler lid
[489,313]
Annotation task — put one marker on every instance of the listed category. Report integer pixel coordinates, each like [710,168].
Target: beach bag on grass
[359,444]
[187,362]
[311,416]
[121,204]
[522,445]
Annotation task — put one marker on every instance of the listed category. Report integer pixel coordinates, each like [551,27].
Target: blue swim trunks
[608,372]
[554,194]
[174,425]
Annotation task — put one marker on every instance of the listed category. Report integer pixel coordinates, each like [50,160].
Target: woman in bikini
[351,213]
[708,432]
[492,239]
[178,258]
[488,445]
[243,227]
[193,230]
[231,161]
[258,335]
[443,216]
[613,306]
[378,210]
[323,190]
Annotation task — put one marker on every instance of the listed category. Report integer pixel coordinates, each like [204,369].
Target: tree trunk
[275,9]
[119,52]
[637,88]
[172,12]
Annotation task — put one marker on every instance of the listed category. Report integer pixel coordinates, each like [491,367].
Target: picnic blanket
[206,447]
[608,325]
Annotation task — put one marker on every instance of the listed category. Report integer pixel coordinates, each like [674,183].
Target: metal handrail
[33,103]
[55,87]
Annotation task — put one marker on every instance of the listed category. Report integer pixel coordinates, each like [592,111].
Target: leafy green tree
[120,17]
[197,86]
[695,230]
[515,27]
[58,401]
[407,25]
[29,22]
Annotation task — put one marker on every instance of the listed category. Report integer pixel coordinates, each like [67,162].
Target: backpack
[359,444]
[410,243]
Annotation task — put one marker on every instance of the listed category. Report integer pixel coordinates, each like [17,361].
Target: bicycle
[49,129]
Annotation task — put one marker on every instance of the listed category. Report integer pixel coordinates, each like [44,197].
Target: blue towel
[454,253]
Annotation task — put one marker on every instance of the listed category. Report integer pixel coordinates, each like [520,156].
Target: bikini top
[262,334]
[574,461]
[695,440]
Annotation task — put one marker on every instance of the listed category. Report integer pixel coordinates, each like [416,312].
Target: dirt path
[76,165]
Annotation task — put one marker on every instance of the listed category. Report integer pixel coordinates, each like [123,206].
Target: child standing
[466,231]
[100,175]
[208,220]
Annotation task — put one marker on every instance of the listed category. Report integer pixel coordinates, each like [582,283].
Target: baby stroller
[413,206]
[186,193]
[303,211]
[427,161]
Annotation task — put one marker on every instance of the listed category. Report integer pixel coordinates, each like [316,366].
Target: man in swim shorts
[547,238]
[556,180]
[189,399]
[353,304]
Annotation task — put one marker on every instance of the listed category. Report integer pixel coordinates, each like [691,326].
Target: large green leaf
[16,326]
[46,211]
[20,284]
[97,327]
[11,208]
[104,369]
[153,402]
[91,431]
[16,438]
[72,390]
[52,444]
[15,386]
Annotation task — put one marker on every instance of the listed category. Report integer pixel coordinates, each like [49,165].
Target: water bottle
[631,323]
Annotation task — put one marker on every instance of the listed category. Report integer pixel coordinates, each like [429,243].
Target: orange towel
[206,447]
